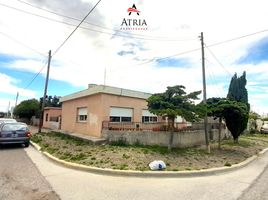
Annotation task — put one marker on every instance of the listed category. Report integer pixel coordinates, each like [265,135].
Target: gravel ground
[19,177]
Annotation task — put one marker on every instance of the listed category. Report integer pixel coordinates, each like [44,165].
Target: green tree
[253,115]
[234,114]
[172,103]
[27,109]
[238,92]
[237,89]
[51,101]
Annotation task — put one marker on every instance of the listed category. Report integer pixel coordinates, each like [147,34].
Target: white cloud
[86,55]
[7,88]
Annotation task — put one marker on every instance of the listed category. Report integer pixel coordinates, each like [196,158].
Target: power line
[238,38]
[103,27]
[213,80]
[22,44]
[123,34]
[171,56]
[211,45]
[76,28]
[218,61]
[35,76]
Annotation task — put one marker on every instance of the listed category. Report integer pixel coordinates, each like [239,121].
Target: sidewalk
[72,184]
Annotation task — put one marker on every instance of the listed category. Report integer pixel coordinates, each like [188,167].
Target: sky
[165,51]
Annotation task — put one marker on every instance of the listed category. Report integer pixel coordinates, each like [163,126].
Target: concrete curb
[167,174]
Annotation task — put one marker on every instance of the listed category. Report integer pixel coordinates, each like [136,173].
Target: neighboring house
[84,112]
[52,118]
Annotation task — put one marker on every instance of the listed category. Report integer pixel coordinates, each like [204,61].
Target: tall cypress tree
[238,92]
[237,89]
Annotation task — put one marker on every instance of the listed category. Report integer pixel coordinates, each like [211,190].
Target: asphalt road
[26,174]
[258,190]
[78,185]
[19,177]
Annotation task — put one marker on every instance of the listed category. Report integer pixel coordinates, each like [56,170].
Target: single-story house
[84,112]
[52,117]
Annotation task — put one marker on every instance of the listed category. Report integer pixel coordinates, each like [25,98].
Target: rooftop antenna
[104,83]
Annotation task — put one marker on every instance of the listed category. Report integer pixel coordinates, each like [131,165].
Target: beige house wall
[136,104]
[48,113]
[98,110]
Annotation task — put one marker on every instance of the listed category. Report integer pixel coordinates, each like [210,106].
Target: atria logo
[133,9]
[133,23]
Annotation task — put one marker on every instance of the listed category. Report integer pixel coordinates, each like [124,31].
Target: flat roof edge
[106,90]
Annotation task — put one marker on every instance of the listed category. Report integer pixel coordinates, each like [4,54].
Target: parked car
[264,128]
[7,120]
[14,133]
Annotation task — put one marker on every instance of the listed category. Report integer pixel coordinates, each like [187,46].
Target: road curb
[167,174]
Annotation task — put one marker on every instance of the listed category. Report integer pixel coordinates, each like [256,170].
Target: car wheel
[26,144]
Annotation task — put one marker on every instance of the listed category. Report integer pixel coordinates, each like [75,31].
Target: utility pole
[8,107]
[17,99]
[204,92]
[45,94]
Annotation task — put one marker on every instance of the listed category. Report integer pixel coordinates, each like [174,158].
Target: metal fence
[157,126]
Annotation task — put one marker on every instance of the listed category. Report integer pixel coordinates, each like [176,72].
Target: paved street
[258,189]
[19,177]
[78,185]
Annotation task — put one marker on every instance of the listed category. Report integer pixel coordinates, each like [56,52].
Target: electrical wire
[103,27]
[238,38]
[213,80]
[76,28]
[22,44]
[35,76]
[171,56]
[217,60]
[122,34]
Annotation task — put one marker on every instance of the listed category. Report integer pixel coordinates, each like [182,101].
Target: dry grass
[137,157]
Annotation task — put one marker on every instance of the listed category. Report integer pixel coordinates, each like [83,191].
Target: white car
[264,128]
[7,120]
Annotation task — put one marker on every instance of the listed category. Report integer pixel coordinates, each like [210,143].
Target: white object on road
[157,165]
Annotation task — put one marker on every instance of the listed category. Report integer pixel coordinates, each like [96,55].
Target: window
[125,119]
[46,117]
[54,119]
[82,114]
[148,117]
[121,114]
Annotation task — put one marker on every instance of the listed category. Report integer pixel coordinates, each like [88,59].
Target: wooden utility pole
[8,108]
[17,99]
[45,94]
[204,93]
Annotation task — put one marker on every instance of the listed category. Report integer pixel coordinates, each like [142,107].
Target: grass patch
[243,142]
[125,156]
[78,157]
[122,156]
[36,138]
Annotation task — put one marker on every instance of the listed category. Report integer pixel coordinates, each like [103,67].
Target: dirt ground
[124,157]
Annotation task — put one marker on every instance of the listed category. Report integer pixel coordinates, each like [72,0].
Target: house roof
[52,108]
[97,89]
